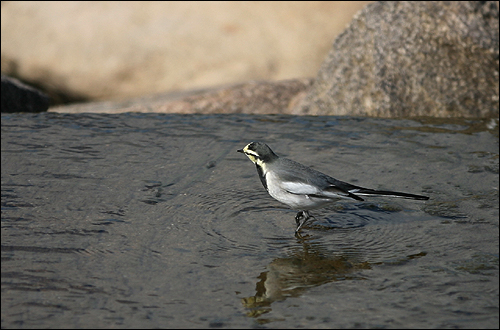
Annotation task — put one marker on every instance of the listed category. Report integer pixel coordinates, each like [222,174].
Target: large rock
[415,58]
[119,50]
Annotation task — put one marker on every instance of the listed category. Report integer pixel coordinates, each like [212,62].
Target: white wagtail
[303,188]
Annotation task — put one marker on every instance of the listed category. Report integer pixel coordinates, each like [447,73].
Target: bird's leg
[298,217]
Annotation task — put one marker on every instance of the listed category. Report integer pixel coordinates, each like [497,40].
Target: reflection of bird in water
[291,276]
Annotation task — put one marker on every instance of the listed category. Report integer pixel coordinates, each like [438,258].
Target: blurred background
[83,51]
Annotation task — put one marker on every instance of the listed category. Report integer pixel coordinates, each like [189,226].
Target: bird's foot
[298,220]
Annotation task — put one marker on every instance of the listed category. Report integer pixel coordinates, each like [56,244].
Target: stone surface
[120,50]
[415,58]
[278,97]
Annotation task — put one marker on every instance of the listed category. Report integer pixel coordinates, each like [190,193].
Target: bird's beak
[240,150]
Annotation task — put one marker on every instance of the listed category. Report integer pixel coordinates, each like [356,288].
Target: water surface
[147,220]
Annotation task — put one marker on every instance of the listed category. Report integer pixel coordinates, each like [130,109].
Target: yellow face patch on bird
[254,157]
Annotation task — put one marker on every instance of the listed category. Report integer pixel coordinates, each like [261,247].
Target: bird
[303,188]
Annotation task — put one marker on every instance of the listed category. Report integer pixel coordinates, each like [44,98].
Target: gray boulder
[412,58]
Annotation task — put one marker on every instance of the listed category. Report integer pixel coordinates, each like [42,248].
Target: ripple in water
[246,219]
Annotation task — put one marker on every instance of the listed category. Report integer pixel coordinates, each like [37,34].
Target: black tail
[371,192]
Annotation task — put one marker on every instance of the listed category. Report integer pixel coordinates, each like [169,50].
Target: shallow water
[147,220]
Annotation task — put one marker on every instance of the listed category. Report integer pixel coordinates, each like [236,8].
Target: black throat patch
[261,176]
